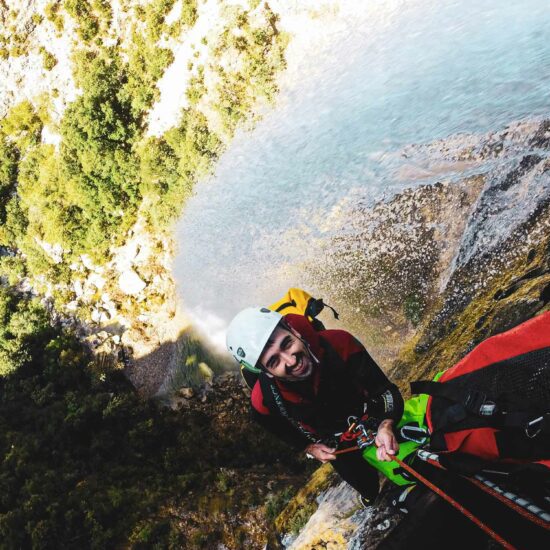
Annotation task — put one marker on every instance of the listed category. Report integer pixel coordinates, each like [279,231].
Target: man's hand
[386,441]
[321,452]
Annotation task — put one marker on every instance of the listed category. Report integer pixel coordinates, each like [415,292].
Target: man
[309,383]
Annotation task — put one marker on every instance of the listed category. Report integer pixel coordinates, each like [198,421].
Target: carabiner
[412,437]
[528,427]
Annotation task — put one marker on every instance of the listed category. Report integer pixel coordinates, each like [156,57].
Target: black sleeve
[383,398]
[282,429]
[388,404]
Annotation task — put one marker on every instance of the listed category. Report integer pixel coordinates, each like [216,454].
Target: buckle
[488,408]
[477,402]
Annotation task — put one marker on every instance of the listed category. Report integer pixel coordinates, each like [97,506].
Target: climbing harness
[358,433]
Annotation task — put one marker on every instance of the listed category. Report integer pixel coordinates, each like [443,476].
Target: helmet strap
[250,367]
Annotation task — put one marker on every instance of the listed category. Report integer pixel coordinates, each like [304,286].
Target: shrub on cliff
[8,175]
[84,458]
[49,61]
[85,462]
[97,161]
[52,14]
[23,326]
[89,17]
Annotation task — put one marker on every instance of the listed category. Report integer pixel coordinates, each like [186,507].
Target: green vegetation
[146,60]
[195,353]
[23,323]
[196,88]
[36,19]
[96,175]
[260,54]
[91,17]
[84,459]
[413,307]
[303,504]
[85,462]
[187,18]
[49,60]
[53,15]
[12,268]
[8,175]
[86,194]
[14,36]
[18,50]
[277,502]
[299,520]
[171,165]
[147,63]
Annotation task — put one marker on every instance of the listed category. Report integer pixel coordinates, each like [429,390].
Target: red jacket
[345,380]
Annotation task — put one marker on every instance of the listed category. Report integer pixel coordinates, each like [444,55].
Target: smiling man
[309,383]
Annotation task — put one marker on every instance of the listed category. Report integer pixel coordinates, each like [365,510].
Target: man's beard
[303,369]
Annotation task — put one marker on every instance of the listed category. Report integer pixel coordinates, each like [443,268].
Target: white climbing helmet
[248,334]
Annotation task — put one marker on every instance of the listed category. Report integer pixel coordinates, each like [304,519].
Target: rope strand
[455,504]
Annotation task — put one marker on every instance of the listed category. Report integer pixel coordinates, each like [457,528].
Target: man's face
[286,356]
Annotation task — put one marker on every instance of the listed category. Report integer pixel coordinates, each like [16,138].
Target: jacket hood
[301,324]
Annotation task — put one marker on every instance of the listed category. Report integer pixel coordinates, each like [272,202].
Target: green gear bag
[414,414]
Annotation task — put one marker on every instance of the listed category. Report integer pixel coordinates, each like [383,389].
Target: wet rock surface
[479,248]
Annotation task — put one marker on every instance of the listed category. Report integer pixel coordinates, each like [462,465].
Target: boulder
[87,262]
[78,289]
[130,283]
[188,393]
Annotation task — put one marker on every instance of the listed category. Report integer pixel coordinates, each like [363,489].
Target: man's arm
[383,398]
[281,429]
[385,403]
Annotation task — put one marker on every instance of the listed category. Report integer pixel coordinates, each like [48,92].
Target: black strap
[474,401]
[315,306]
[477,402]
[334,312]
[292,303]
[274,400]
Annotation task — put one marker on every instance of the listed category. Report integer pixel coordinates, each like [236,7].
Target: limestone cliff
[483,246]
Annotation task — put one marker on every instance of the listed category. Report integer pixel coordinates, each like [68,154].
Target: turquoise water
[410,73]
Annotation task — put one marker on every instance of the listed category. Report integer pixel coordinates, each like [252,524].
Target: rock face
[24,76]
[333,523]
[485,254]
[130,283]
[237,501]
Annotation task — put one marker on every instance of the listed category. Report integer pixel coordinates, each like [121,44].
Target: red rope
[342,451]
[454,503]
[522,511]
[510,503]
